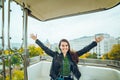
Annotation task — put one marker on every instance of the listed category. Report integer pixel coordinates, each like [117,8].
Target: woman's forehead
[64,43]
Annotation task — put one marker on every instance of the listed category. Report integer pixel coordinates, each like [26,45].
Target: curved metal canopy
[50,9]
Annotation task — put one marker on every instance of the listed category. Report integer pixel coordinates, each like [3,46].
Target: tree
[105,56]
[85,55]
[92,55]
[89,55]
[16,75]
[113,54]
[35,51]
[16,60]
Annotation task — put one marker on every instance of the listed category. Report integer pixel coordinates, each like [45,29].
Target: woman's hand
[98,39]
[34,37]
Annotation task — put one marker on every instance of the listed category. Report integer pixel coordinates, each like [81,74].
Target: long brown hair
[72,53]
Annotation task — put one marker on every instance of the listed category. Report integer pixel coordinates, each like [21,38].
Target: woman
[64,64]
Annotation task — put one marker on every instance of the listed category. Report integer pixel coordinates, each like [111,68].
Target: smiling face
[64,46]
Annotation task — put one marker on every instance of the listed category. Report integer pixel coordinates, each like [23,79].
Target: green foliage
[93,56]
[114,53]
[89,55]
[1,77]
[85,55]
[35,51]
[17,75]
[105,56]
[15,60]
[0,52]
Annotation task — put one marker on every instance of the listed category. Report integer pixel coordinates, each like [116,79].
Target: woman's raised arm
[45,48]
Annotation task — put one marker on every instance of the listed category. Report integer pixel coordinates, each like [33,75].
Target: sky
[68,27]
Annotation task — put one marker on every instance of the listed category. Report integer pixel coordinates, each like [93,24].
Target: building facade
[103,47]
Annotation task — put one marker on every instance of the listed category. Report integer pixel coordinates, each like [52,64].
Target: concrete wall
[40,71]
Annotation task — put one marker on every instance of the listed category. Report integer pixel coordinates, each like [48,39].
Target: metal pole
[9,57]
[25,54]
[2,25]
[8,24]
[10,72]
[4,74]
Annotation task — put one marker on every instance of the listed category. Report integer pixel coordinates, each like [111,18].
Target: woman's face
[64,47]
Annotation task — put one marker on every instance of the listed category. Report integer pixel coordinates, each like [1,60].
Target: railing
[10,64]
[3,59]
[93,62]
[24,42]
[99,62]
[40,71]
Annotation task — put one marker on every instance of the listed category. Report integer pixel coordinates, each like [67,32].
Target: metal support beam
[4,74]
[9,57]
[9,24]
[25,54]
[2,24]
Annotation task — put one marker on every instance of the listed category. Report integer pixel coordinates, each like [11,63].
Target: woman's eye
[62,45]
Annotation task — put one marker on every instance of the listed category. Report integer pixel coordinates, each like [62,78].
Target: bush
[17,75]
